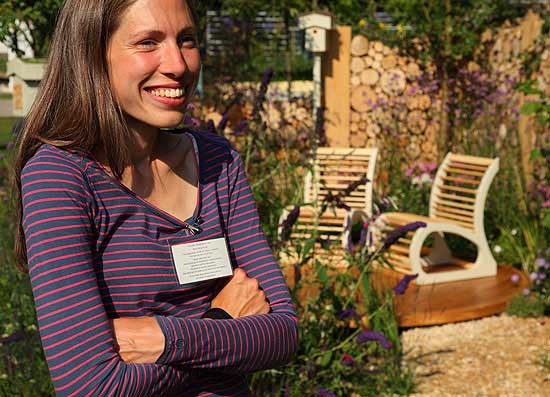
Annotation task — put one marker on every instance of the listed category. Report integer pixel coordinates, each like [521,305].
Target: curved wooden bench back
[334,169]
[460,190]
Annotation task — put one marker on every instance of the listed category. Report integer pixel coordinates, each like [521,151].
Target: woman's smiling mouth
[168,96]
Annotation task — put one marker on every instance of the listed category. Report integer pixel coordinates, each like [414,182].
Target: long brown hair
[75,107]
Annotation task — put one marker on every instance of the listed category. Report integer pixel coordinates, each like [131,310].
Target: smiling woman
[154,63]
[150,272]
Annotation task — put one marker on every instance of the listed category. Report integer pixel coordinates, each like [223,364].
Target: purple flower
[191,121]
[342,205]
[287,224]
[369,335]
[401,231]
[347,313]
[525,291]
[540,262]
[321,392]
[364,232]
[349,243]
[266,78]
[240,128]
[297,274]
[223,122]
[515,278]
[403,284]
[210,127]
[533,276]
[347,360]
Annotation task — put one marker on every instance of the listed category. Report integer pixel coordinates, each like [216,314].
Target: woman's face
[154,62]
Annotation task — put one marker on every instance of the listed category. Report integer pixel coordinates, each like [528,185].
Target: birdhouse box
[316,26]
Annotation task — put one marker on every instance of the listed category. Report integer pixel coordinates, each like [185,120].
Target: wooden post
[336,79]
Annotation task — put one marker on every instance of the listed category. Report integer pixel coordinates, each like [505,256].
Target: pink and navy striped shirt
[98,251]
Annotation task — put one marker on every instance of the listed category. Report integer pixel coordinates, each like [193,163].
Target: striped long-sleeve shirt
[98,251]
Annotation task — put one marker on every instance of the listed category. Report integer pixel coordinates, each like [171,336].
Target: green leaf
[546,219]
[327,358]
[530,107]
[535,154]
[321,273]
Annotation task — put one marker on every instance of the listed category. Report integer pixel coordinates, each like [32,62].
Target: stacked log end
[387,102]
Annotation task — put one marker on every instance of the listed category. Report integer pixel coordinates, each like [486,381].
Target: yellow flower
[382,25]
[362,23]
[400,28]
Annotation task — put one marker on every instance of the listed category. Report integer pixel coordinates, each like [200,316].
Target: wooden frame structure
[457,203]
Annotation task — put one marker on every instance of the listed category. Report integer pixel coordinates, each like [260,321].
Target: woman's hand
[140,339]
[241,296]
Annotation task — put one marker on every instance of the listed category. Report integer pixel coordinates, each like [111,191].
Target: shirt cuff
[217,313]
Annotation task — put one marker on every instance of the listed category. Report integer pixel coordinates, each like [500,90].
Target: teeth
[168,92]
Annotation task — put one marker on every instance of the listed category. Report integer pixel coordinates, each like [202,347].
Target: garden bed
[493,356]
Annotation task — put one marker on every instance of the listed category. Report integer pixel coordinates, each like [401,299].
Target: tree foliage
[29,20]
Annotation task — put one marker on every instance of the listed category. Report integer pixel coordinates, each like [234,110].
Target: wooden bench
[457,203]
[332,171]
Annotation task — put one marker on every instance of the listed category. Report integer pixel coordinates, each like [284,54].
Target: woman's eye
[146,44]
[188,42]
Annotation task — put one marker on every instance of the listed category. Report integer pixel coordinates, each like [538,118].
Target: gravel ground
[495,356]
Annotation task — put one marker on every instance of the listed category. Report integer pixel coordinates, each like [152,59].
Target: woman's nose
[173,61]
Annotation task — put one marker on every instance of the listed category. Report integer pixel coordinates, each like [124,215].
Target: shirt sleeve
[74,328]
[248,343]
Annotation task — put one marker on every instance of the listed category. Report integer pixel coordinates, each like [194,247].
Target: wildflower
[515,278]
[347,360]
[362,23]
[266,78]
[364,232]
[10,145]
[514,232]
[223,122]
[210,127]
[240,128]
[287,224]
[191,121]
[533,276]
[399,28]
[403,284]
[525,291]
[347,313]
[297,274]
[399,232]
[321,392]
[497,249]
[369,335]
[540,263]
[349,243]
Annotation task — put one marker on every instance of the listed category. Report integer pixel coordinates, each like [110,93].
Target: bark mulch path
[495,356]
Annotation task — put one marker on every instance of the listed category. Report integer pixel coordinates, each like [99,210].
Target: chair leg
[440,253]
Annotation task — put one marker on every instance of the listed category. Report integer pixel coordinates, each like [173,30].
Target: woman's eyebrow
[155,32]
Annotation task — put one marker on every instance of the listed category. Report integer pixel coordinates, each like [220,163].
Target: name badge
[201,260]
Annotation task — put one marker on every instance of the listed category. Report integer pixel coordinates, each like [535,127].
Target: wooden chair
[332,171]
[457,203]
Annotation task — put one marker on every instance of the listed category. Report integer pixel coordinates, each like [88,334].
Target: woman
[128,229]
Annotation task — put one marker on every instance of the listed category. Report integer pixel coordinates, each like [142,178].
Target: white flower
[513,232]
[497,249]
[426,179]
